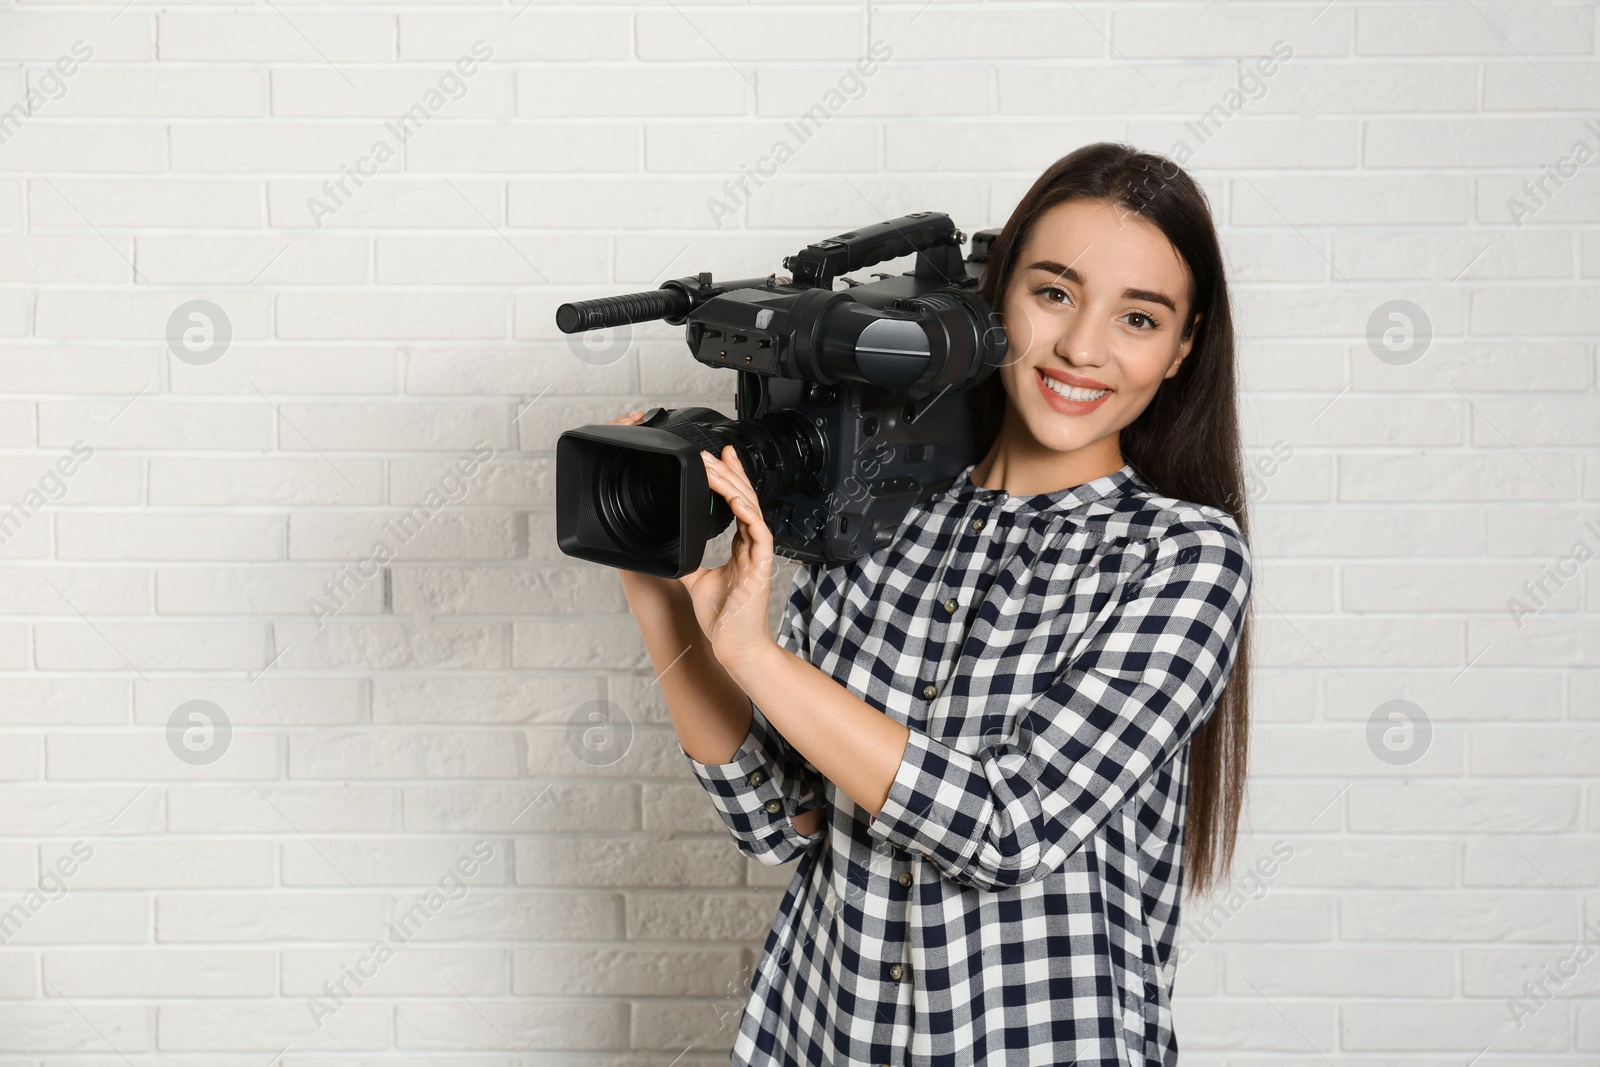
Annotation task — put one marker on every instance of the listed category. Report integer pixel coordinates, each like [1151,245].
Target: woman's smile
[1067,393]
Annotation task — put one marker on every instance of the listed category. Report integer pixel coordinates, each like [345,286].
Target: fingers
[731,483]
[733,477]
[732,467]
[626,418]
[724,482]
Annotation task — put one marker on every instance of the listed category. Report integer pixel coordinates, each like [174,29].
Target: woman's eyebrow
[1071,274]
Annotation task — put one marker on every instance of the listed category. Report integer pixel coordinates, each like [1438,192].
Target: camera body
[852,404]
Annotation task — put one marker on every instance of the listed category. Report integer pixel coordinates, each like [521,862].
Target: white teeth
[1072,392]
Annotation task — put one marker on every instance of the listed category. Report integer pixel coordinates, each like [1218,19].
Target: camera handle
[930,234]
[671,303]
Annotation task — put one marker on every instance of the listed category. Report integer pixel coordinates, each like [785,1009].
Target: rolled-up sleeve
[767,782]
[1146,679]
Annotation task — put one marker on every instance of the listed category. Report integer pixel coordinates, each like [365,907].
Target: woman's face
[1095,306]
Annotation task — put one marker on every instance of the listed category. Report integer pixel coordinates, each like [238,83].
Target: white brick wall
[408,762]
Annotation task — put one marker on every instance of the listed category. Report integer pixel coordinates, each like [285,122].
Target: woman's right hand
[648,589]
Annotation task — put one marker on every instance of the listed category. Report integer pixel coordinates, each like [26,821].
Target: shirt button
[896,971]
[930,691]
[951,605]
[756,778]
[977,524]
[773,807]
[905,878]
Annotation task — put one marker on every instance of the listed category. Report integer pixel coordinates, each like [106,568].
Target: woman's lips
[1062,404]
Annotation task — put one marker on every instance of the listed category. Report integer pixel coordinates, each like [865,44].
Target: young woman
[1000,744]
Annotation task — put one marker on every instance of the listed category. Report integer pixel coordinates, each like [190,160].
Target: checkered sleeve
[1150,673]
[767,782]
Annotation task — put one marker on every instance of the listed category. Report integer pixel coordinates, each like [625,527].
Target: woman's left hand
[730,601]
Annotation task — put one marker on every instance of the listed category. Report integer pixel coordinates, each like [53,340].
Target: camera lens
[638,498]
[621,491]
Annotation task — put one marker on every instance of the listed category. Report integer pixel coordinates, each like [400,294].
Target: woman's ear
[1183,349]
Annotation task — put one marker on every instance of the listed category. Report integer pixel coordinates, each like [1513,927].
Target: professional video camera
[853,404]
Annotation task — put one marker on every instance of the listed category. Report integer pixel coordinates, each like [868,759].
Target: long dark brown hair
[1185,442]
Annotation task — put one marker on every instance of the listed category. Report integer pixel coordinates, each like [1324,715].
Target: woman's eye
[1144,322]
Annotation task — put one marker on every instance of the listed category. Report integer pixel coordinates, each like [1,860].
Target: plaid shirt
[1016,900]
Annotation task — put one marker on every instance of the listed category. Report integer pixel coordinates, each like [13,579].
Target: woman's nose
[1082,341]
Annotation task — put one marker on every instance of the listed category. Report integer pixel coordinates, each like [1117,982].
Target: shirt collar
[1121,481]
